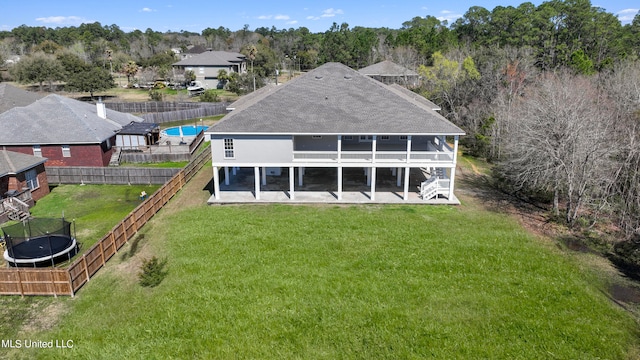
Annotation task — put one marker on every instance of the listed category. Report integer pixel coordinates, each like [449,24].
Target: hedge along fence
[50,281]
[108,175]
[163,111]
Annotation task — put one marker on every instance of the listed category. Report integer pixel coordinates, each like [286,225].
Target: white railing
[380,156]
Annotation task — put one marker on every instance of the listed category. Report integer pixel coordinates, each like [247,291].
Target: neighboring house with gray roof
[207,65]
[389,72]
[67,132]
[337,119]
[20,174]
[11,96]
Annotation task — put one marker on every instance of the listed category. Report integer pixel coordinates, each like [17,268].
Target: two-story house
[208,64]
[335,119]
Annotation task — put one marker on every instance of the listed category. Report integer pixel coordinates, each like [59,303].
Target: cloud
[448,16]
[277,17]
[292,22]
[146,9]
[327,13]
[61,20]
[331,12]
[627,15]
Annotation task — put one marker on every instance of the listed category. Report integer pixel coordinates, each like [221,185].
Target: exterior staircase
[115,157]
[16,209]
[429,188]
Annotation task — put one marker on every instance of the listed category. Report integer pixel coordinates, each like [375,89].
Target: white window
[66,151]
[385,137]
[316,136]
[347,137]
[37,151]
[366,138]
[228,149]
[403,137]
[31,177]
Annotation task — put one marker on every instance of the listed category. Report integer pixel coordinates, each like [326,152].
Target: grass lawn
[95,208]
[309,282]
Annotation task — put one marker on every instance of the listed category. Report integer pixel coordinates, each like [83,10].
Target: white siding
[253,150]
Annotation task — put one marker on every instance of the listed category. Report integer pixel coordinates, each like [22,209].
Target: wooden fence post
[53,282]
[20,282]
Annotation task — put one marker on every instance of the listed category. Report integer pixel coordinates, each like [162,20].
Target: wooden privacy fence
[108,175]
[163,111]
[54,281]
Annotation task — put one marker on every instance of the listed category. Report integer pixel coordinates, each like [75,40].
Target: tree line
[548,93]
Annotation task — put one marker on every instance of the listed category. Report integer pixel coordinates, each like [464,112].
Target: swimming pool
[185,130]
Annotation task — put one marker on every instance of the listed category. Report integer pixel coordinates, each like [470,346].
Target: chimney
[101,109]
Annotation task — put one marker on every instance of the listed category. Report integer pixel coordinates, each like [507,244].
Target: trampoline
[39,242]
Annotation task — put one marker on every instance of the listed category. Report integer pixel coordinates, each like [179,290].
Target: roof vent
[347,77]
[318,77]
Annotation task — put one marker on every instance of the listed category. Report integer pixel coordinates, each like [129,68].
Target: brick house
[65,131]
[19,172]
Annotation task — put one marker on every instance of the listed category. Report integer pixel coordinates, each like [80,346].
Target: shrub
[152,272]
[155,95]
[209,96]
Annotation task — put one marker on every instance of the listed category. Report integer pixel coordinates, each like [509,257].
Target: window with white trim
[366,138]
[37,151]
[403,137]
[66,151]
[347,137]
[385,137]
[31,177]
[316,137]
[229,152]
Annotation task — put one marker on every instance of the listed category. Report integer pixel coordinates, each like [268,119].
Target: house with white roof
[337,122]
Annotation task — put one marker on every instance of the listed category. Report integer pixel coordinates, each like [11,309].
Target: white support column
[374,146]
[216,183]
[256,175]
[292,183]
[408,148]
[373,184]
[399,177]
[339,182]
[226,175]
[367,173]
[234,170]
[393,171]
[264,176]
[407,170]
[452,175]
[300,174]
[339,149]
[455,149]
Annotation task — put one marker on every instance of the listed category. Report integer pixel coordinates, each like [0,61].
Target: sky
[196,15]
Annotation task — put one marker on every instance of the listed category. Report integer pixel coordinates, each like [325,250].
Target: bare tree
[562,142]
[623,86]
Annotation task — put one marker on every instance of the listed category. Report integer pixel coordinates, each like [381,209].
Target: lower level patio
[319,186]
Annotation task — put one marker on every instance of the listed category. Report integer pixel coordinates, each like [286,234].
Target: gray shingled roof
[387,68]
[11,96]
[15,163]
[334,99]
[59,120]
[212,58]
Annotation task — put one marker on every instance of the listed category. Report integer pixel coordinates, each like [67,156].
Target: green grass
[95,208]
[360,282]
